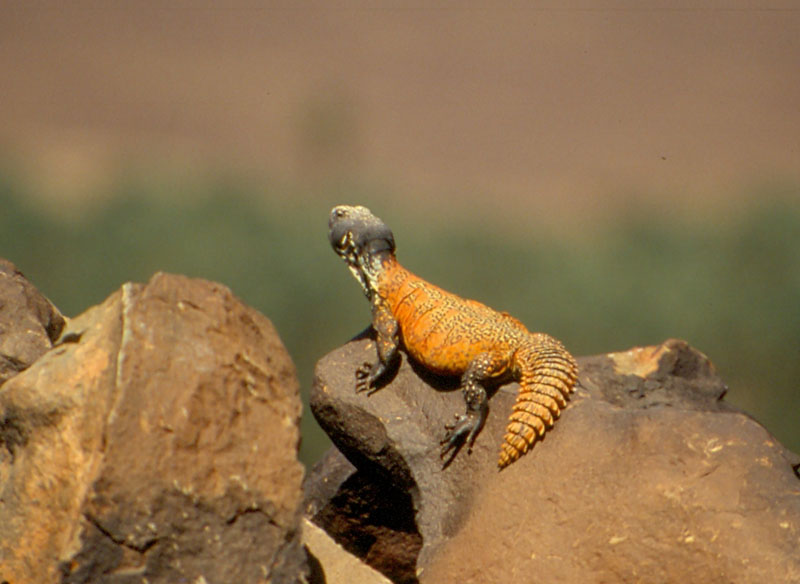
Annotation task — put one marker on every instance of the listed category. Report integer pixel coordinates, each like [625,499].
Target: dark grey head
[361,240]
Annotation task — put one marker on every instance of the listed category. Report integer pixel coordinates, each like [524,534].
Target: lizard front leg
[466,427]
[387,343]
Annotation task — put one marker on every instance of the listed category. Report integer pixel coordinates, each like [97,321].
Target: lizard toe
[363,377]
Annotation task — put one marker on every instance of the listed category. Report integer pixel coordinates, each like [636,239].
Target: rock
[649,475]
[159,444]
[334,563]
[29,323]
[366,514]
[369,516]
[324,480]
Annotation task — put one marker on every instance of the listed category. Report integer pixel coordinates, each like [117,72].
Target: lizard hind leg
[465,428]
[547,377]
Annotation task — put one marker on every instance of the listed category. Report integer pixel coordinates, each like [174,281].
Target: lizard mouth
[345,247]
[359,238]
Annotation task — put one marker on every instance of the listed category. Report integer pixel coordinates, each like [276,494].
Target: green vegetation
[731,288]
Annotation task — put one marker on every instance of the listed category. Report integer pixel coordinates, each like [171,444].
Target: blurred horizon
[526,110]
[614,173]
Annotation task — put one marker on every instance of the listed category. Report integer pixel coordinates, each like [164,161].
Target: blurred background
[612,173]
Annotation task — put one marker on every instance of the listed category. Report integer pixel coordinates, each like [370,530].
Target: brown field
[521,111]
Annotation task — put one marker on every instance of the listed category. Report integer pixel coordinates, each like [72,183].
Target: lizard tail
[547,376]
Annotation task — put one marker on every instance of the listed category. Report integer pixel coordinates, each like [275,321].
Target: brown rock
[334,563]
[159,445]
[392,437]
[29,323]
[366,514]
[648,476]
[324,480]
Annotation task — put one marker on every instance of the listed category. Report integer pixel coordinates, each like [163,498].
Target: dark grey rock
[648,474]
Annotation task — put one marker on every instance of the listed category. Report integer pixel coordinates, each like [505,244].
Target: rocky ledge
[649,476]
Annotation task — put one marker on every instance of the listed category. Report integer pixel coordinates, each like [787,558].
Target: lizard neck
[385,276]
[373,270]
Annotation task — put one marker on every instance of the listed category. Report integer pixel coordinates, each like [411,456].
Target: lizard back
[442,330]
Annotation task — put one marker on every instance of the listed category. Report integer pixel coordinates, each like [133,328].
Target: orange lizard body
[451,335]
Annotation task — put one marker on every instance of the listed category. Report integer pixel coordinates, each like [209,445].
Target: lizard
[450,335]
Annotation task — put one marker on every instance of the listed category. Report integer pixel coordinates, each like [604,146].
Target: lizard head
[362,241]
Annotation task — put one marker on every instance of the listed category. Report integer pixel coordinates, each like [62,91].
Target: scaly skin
[451,335]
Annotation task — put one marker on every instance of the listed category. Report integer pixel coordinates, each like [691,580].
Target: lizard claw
[363,377]
[366,377]
[462,431]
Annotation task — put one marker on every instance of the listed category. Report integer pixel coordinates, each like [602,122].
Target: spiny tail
[547,376]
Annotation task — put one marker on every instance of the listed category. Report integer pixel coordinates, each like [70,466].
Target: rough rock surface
[648,476]
[332,564]
[156,442]
[368,515]
[29,323]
